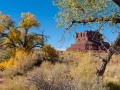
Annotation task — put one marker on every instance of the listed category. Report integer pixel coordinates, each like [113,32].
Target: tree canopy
[19,37]
[72,12]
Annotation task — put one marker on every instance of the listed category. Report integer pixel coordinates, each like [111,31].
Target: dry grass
[76,71]
[20,64]
[75,76]
[16,83]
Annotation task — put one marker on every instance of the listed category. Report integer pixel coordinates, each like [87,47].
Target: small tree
[19,37]
[50,53]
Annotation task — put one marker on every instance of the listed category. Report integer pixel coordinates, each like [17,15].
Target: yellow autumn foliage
[85,68]
[15,35]
[6,64]
[49,51]
[4,18]
[21,59]
[19,37]
[80,54]
[2,28]
[28,21]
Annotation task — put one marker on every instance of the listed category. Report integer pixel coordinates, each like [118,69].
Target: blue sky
[45,13]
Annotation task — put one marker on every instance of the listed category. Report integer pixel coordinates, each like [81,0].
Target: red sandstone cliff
[89,41]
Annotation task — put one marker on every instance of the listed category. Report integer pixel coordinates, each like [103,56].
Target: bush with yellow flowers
[79,54]
[21,62]
[6,64]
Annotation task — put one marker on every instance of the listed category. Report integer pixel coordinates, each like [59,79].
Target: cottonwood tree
[74,12]
[19,37]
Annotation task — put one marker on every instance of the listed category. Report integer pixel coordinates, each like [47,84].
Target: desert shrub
[50,53]
[50,77]
[79,54]
[58,77]
[16,83]
[84,72]
[24,61]
[4,55]
[113,86]
[6,64]
[70,57]
[21,63]
[85,68]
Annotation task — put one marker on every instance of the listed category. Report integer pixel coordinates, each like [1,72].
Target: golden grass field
[72,71]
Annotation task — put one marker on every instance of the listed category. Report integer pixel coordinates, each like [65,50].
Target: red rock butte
[89,41]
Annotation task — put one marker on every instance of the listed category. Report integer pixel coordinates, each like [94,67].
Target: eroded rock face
[89,41]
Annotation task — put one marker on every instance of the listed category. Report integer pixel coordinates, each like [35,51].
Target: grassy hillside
[71,71]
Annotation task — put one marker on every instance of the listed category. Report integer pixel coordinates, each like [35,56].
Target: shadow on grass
[113,86]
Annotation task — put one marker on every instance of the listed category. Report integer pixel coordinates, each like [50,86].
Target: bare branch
[116,20]
[117,2]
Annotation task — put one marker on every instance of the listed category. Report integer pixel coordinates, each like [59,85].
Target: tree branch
[116,20]
[117,2]
[105,61]
[33,46]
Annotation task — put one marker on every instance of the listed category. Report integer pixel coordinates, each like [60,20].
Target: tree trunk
[105,61]
[117,2]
